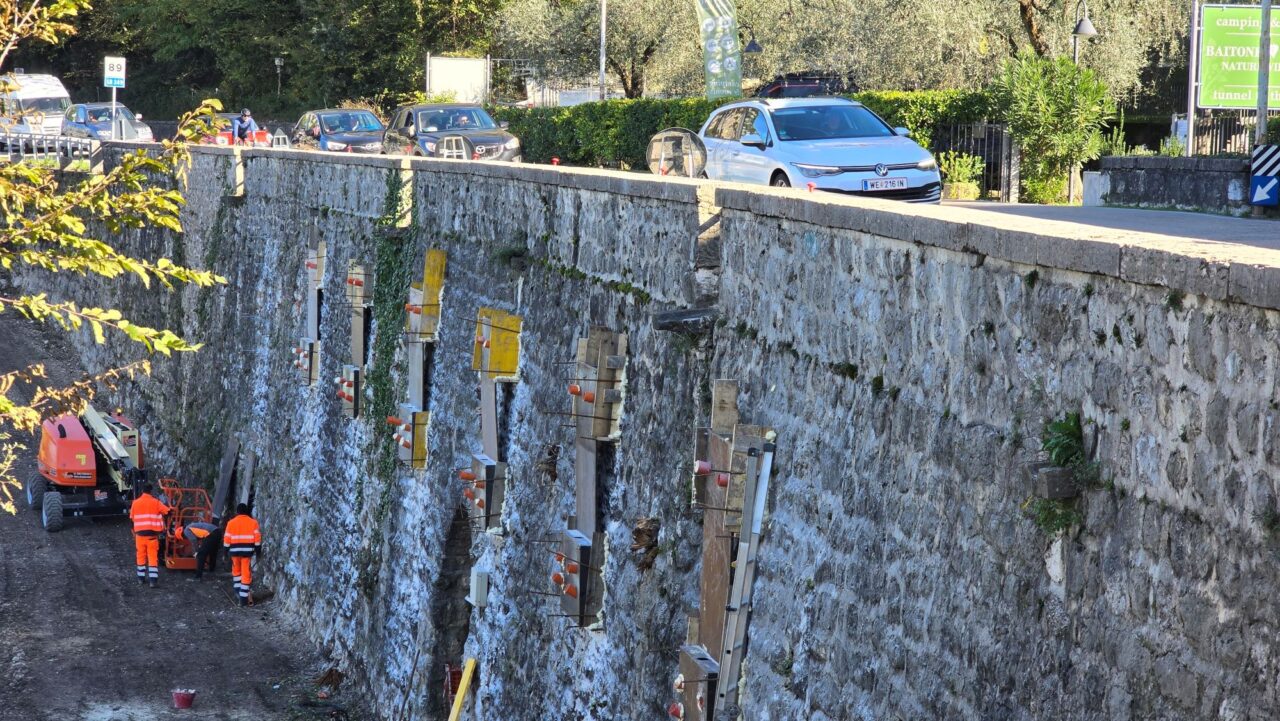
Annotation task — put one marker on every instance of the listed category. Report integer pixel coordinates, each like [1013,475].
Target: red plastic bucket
[183,698]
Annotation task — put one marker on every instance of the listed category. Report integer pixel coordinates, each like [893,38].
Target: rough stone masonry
[908,359]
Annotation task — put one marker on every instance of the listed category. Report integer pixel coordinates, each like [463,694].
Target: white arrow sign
[1262,192]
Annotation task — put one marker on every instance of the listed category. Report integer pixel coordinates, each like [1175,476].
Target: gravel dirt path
[82,640]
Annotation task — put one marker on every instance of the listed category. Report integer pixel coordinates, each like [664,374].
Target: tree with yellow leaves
[56,225]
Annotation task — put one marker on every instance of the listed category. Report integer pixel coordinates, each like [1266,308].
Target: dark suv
[804,85]
[450,130]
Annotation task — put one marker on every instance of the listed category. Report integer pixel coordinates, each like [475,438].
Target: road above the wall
[1192,226]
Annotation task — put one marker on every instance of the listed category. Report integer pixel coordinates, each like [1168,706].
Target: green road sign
[1229,36]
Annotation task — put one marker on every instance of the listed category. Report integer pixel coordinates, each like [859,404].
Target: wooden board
[244,479]
[716,544]
[433,267]
[489,416]
[724,406]
[745,437]
[222,490]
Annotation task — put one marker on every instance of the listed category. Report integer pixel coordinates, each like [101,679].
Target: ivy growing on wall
[393,256]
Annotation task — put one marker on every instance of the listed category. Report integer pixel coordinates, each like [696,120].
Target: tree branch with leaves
[58,222]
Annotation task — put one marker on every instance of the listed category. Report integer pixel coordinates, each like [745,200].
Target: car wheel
[779,180]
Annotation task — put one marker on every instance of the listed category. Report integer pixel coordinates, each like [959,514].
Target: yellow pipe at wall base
[460,698]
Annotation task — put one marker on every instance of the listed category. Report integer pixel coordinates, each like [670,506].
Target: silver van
[32,103]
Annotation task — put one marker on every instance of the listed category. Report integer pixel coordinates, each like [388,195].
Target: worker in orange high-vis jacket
[242,539]
[147,513]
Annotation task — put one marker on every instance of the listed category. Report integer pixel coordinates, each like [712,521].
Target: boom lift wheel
[35,491]
[51,512]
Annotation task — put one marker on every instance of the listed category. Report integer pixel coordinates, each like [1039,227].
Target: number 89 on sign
[112,72]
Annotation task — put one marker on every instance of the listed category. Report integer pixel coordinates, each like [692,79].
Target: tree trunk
[1027,11]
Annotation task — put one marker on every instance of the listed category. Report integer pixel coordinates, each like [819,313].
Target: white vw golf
[838,145]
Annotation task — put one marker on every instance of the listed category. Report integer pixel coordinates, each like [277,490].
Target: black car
[804,85]
[343,130]
[450,130]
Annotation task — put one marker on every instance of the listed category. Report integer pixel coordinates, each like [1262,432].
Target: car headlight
[927,164]
[334,145]
[430,146]
[512,144]
[816,171]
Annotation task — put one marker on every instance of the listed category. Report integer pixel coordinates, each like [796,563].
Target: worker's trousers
[207,556]
[148,556]
[242,573]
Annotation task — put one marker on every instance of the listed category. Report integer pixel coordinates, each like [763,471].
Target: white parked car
[838,145]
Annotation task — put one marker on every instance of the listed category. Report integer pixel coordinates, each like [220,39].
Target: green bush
[1173,147]
[615,133]
[960,167]
[1273,130]
[922,111]
[1056,111]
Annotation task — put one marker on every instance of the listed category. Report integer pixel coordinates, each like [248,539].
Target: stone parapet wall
[1215,185]
[908,358]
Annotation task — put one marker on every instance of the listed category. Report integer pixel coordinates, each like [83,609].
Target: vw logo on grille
[881,170]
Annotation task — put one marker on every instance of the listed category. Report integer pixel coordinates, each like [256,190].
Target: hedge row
[615,133]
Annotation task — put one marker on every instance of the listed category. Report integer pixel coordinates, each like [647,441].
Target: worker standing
[206,541]
[243,539]
[147,513]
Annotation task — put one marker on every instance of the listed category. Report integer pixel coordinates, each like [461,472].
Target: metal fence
[1224,134]
[994,144]
[19,147]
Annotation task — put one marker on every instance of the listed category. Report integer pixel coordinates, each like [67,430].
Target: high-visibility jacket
[147,513]
[242,536]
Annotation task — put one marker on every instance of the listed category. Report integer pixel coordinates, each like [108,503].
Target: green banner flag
[1229,36]
[722,54]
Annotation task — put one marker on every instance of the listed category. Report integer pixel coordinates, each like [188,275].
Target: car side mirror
[904,132]
[137,116]
[752,139]
[504,124]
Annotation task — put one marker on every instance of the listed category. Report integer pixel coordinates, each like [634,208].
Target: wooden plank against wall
[223,489]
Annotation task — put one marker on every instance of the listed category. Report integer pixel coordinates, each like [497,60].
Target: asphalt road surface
[82,640]
[1194,226]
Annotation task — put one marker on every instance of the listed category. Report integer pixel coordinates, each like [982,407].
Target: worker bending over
[206,541]
[243,539]
[147,513]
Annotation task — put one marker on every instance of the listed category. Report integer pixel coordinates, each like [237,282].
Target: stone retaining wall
[1214,185]
[908,358]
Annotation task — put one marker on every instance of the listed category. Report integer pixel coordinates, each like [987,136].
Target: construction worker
[242,539]
[206,541]
[147,513]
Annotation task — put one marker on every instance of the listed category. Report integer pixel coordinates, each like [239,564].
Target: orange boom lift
[89,465]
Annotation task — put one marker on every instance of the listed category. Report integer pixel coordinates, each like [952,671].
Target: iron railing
[994,144]
[19,147]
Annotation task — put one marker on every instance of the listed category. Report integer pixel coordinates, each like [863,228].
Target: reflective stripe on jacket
[242,536]
[148,515]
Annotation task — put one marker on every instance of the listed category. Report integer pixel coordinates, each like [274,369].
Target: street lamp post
[279,70]
[604,19]
[1083,29]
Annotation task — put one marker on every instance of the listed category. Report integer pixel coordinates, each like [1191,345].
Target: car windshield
[354,121]
[828,122]
[44,105]
[103,115]
[456,119]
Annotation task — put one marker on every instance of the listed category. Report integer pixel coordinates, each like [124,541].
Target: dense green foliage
[615,133]
[337,50]
[1056,110]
